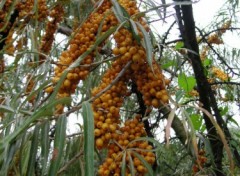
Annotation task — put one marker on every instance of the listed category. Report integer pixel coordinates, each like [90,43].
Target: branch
[65,30]
[215,52]
[228,82]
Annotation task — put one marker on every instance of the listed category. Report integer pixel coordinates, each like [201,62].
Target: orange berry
[165,98]
[155,103]
[49,89]
[99,143]
[123,50]
[67,83]
[97,132]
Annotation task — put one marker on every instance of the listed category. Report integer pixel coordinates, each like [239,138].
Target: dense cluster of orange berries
[151,84]
[9,43]
[123,144]
[219,74]
[84,38]
[108,133]
[201,161]
[26,10]
[5,26]
[106,111]
[56,15]
[3,13]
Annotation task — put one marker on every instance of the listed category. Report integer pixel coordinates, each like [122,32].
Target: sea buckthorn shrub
[150,82]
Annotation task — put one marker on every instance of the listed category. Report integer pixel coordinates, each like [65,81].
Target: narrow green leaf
[33,151]
[45,111]
[145,163]
[134,31]
[187,83]
[4,108]
[2,3]
[24,154]
[147,45]
[45,145]
[59,142]
[232,120]
[123,166]
[88,138]
[132,169]
[120,13]
[158,11]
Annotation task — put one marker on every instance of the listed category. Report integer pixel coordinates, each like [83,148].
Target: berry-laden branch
[222,60]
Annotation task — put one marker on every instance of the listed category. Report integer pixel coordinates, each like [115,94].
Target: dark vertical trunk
[207,99]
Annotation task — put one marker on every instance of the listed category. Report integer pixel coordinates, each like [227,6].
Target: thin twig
[64,168]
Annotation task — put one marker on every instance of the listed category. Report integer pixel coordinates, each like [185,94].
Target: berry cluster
[9,42]
[56,15]
[26,11]
[150,83]
[83,38]
[201,161]
[219,74]
[3,13]
[214,39]
[123,144]
[106,111]
[108,133]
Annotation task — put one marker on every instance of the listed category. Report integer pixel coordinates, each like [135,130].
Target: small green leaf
[179,45]
[223,110]
[88,138]
[207,62]
[196,121]
[168,64]
[187,83]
